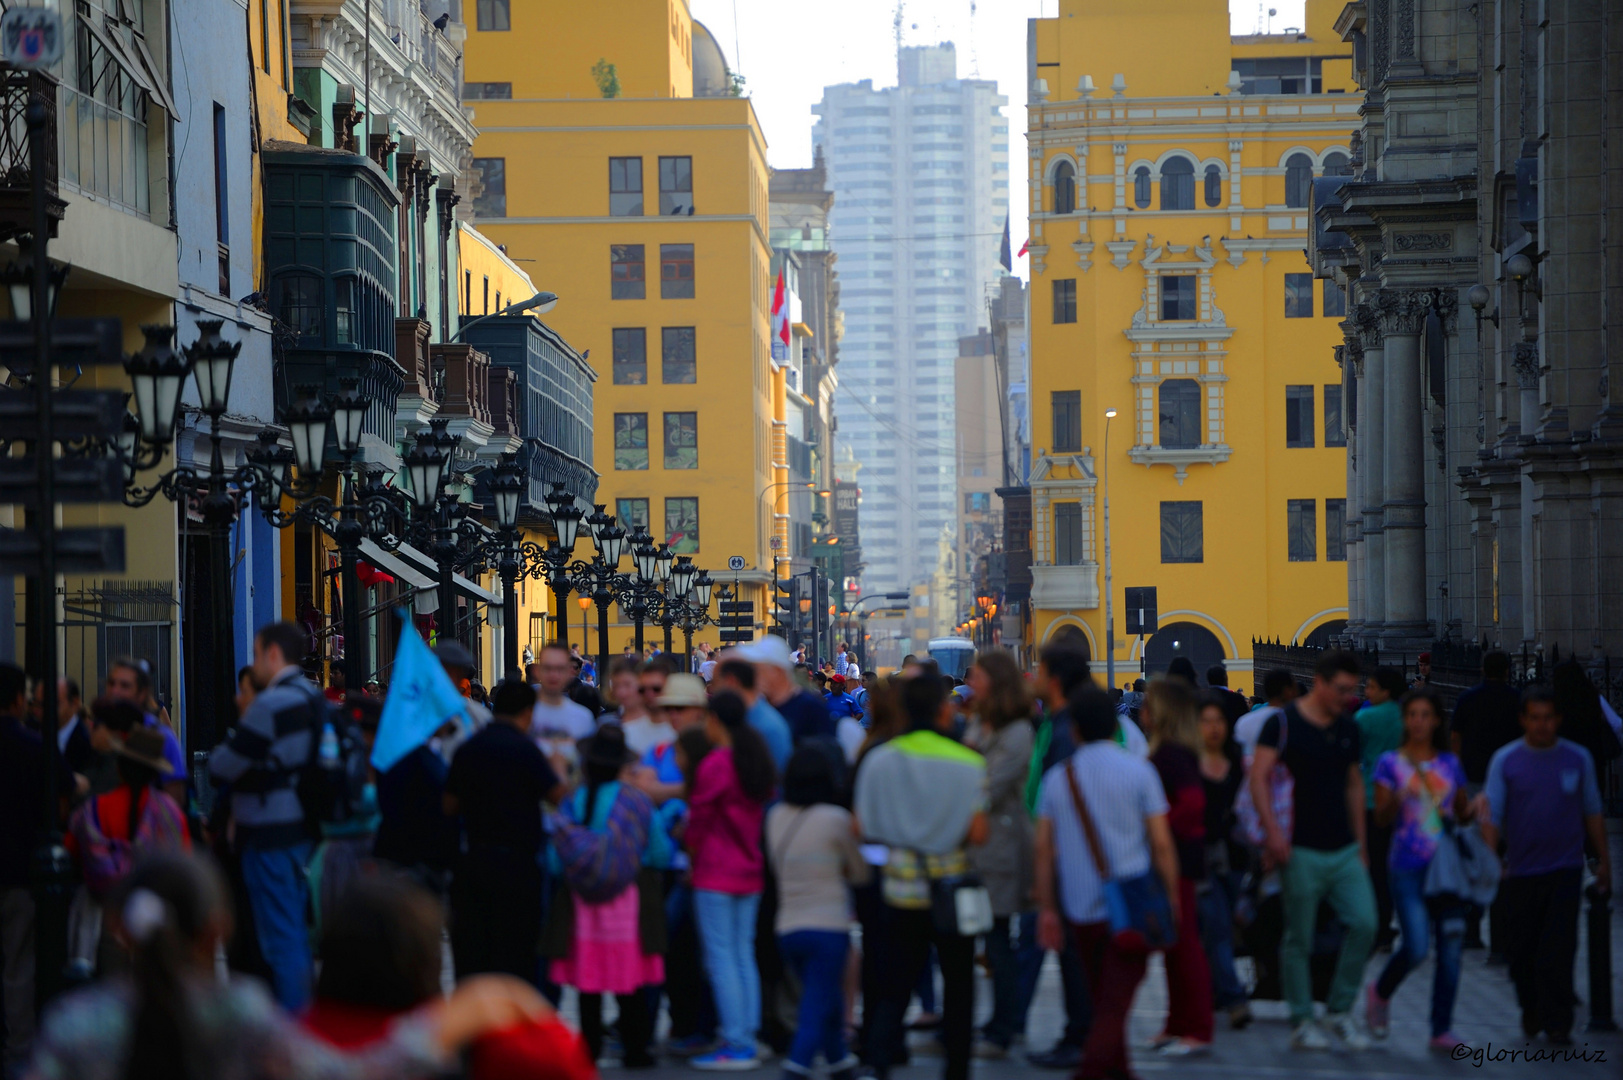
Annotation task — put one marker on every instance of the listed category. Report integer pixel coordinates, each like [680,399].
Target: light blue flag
[421,699]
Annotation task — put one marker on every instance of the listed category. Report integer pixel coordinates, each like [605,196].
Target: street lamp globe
[19,281]
[424,467]
[612,543]
[682,576]
[663,567]
[307,424]
[349,414]
[157,373]
[702,585]
[275,463]
[212,360]
[646,556]
[508,488]
[597,521]
[129,441]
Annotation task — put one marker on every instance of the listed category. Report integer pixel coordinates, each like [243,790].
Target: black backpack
[331,783]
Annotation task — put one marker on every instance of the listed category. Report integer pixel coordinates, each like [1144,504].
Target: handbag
[1281,796]
[960,904]
[1138,909]
[1463,871]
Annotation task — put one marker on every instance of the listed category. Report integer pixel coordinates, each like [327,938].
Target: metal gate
[104,620]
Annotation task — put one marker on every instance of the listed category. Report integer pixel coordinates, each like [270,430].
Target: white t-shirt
[850,733]
[642,735]
[1133,738]
[1248,728]
[555,728]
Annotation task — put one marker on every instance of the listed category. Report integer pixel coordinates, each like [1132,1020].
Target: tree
[607,78]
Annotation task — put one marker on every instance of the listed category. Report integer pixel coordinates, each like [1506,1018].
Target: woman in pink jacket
[730,792]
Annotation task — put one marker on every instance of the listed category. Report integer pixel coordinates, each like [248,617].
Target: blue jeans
[727,931]
[1217,936]
[1415,922]
[817,957]
[278,894]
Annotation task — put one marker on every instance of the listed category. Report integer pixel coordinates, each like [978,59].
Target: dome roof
[709,65]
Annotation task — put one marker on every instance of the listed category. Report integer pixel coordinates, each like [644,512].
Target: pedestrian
[1279,689]
[1181,667]
[1582,719]
[1422,671]
[348,843]
[613,942]
[652,728]
[842,660]
[1486,717]
[805,712]
[174,1018]
[814,854]
[558,723]
[1418,787]
[1324,856]
[923,795]
[730,789]
[1171,712]
[22,808]
[624,699]
[1380,731]
[497,782]
[741,677]
[1543,800]
[847,713]
[693,1020]
[1221,774]
[108,833]
[414,831]
[1125,800]
[1217,680]
[129,679]
[1002,733]
[261,760]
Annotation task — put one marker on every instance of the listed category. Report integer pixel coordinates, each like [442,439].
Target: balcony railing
[17,88]
[503,397]
[467,372]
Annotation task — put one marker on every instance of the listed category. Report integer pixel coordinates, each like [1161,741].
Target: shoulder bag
[1281,793]
[1138,909]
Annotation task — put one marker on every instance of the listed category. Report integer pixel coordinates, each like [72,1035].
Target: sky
[787,52]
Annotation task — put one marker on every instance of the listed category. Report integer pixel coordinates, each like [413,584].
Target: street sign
[74,342]
[735,562]
[78,480]
[31,37]
[738,607]
[78,414]
[776,542]
[736,637]
[97,550]
[1141,613]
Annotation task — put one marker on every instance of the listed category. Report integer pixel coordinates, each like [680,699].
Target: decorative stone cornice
[1404,311]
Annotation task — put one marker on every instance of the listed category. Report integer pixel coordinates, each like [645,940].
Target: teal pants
[1339,877]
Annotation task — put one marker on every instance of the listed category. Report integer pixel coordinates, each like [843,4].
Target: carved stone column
[1403,314]
[1371,453]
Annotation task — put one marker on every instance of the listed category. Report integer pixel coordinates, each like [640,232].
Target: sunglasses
[651,689]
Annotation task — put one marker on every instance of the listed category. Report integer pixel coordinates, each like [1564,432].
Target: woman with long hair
[731,787]
[1417,787]
[610,950]
[173,1019]
[1221,774]
[1171,711]
[1000,701]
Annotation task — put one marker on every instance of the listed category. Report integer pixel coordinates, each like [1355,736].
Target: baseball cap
[682,691]
[454,654]
[770,649]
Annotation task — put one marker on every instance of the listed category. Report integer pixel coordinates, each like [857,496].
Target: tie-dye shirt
[1425,792]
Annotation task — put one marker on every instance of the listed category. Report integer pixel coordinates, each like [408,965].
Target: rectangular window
[486,299]
[630,356]
[492,200]
[498,301]
[222,205]
[1335,530]
[676,271]
[631,514]
[625,187]
[493,15]
[676,186]
[978,502]
[626,281]
[1182,532]
[1298,296]
[467,292]
[630,441]
[487,91]
[678,355]
[284,28]
[1179,301]
[1298,416]
[1067,409]
[264,34]
[1302,520]
[1067,534]
[1065,300]
[682,525]
[681,440]
[1335,301]
[1334,433]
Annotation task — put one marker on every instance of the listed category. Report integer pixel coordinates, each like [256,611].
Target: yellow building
[1171,168]
[647,215]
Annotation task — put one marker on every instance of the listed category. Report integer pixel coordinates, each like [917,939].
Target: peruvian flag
[780,321]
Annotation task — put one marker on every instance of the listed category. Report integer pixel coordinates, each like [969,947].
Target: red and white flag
[780,321]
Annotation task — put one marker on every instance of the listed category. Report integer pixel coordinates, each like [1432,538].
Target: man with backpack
[498,780]
[276,741]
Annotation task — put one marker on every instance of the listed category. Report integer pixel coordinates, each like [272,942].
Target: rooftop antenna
[974,51]
[896,27]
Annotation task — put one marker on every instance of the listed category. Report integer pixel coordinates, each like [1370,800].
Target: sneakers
[1308,1035]
[1376,1009]
[1239,1016]
[728,1059]
[689,1046]
[1063,1056]
[1446,1042]
[1185,1048]
[1345,1028]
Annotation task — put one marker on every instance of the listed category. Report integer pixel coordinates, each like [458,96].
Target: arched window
[1298,179]
[300,304]
[1180,414]
[1214,186]
[1177,184]
[1337,164]
[1141,187]
[1064,188]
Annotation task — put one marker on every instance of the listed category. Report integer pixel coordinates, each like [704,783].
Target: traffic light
[785,597]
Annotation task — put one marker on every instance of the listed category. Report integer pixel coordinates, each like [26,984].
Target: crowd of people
[700,844]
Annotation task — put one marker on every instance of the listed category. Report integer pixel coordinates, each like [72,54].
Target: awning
[426,600]
[462,584]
